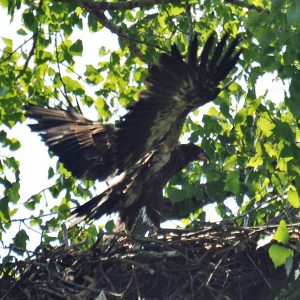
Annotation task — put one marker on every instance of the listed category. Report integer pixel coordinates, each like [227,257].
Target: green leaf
[265,124]
[293,104]
[29,20]
[50,173]
[102,108]
[8,42]
[73,85]
[241,116]
[271,149]
[35,199]
[77,48]
[230,163]
[92,231]
[213,112]
[176,195]
[4,209]
[93,75]
[279,254]
[109,226]
[282,234]
[255,161]
[284,132]
[14,144]
[20,241]
[293,13]
[293,198]
[21,32]
[232,182]
[289,265]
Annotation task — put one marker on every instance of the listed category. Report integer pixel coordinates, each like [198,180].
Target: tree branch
[31,53]
[126,5]
[99,15]
[129,41]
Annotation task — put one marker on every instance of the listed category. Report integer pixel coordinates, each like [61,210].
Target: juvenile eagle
[144,145]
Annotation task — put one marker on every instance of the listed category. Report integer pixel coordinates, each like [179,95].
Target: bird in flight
[144,145]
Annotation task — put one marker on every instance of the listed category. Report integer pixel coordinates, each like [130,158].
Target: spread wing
[83,146]
[174,88]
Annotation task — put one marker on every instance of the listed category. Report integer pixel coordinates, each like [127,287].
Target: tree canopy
[251,138]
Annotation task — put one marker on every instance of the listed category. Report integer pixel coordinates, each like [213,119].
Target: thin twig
[259,270]
[30,55]
[14,51]
[65,92]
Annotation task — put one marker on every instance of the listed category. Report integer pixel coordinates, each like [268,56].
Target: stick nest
[211,262]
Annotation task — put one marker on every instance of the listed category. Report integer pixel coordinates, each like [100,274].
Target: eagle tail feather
[93,209]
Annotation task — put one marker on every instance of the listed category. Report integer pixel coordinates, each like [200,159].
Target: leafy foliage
[252,138]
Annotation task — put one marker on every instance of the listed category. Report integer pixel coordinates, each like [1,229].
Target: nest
[211,262]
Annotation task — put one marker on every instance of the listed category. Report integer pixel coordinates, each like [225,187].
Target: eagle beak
[203,157]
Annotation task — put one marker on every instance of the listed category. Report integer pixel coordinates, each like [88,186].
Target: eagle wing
[83,146]
[174,88]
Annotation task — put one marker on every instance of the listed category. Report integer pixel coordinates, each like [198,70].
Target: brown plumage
[83,146]
[145,141]
[141,187]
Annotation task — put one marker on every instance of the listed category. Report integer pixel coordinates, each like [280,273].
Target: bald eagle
[144,146]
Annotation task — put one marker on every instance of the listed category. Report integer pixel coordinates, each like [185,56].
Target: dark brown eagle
[144,145]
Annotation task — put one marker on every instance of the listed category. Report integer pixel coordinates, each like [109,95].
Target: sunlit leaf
[279,254]
[293,198]
[282,234]
[255,161]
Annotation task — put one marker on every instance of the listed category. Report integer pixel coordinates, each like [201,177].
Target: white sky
[33,154]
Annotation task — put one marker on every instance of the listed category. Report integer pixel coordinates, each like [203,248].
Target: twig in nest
[214,271]
[259,270]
